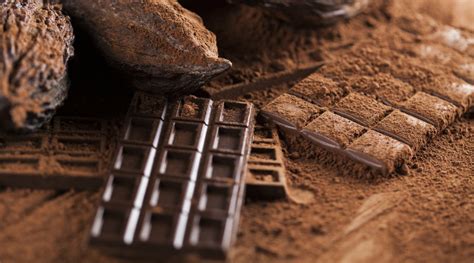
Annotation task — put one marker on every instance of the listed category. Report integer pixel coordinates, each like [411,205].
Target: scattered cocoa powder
[424,216]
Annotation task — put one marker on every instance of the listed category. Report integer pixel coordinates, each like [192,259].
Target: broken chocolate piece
[162,46]
[35,46]
[362,130]
[311,12]
[266,171]
[71,153]
[178,188]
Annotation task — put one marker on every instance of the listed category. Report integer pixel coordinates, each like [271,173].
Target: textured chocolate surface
[69,153]
[177,182]
[266,169]
[379,130]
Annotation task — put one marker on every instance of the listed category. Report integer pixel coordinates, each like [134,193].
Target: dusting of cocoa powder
[424,216]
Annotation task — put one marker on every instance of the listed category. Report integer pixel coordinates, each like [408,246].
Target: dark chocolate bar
[375,129]
[177,182]
[265,177]
[72,152]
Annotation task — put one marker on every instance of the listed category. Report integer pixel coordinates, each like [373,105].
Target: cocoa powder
[423,216]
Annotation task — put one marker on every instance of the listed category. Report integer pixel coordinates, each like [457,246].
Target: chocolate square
[431,109]
[169,194]
[179,163]
[319,90]
[217,197]
[233,113]
[134,159]
[361,109]
[192,108]
[140,130]
[186,135]
[125,189]
[332,131]
[407,129]
[229,139]
[265,182]
[290,112]
[223,167]
[114,225]
[379,151]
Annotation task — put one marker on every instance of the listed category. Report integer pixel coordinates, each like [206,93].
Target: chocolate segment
[177,179]
[361,109]
[265,177]
[406,128]
[290,111]
[433,110]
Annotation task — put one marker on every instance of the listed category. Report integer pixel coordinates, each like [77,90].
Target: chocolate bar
[72,152]
[374,132]
[177,181]
[265,177]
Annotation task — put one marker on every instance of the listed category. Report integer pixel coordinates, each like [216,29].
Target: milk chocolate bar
[70,153]
[177,183]
[374,130]
[265,177]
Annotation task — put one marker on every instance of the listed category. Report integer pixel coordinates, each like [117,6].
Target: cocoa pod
[310,12]
[163,47]
[35,44]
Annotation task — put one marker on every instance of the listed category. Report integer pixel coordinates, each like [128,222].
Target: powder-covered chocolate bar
[373,131]
[68,153]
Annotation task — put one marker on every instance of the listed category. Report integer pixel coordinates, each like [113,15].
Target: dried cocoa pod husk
[163,47]
[35,44]
[310,12]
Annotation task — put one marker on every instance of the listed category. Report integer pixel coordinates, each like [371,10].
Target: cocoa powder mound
[162,46]
[35,45]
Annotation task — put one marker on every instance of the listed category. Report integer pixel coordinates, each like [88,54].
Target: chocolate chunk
[407,129]
[36,44]
[311,12]
[162,46]
[379,151]
[179,188]
[265,177]
[319,90]
[433,110]
[70,153]
[333,130]
[290,111]
[361,109]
